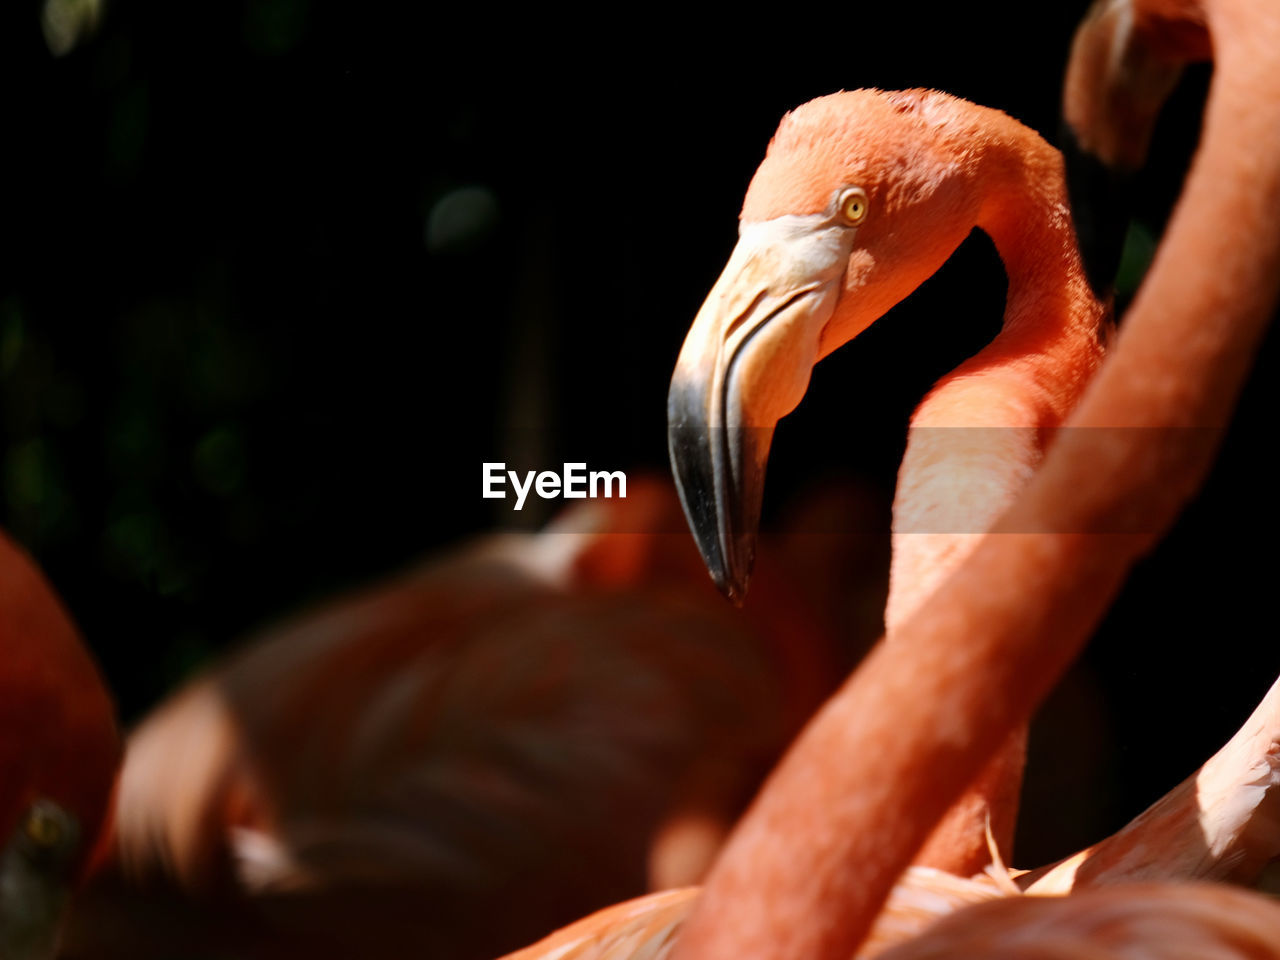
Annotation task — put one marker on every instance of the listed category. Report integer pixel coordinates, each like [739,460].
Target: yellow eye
[44,827]
[853,205]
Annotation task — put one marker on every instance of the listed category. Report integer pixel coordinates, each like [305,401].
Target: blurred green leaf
[1135,258]
[25,475]
[461,220]
[139,546]
[67,23]
[12,334]
[219,461]
[274,27]
[127,131]
[36,493]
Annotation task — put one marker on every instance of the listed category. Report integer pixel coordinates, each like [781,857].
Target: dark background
[276,276]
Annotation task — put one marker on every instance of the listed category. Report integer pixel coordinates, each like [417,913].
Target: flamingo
[393,768]
[1175,372]
[861,197]
[59,750]
[809,867]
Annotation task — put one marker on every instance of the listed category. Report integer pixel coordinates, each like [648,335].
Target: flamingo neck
[1010,396]
[1055,329]
[1007,399]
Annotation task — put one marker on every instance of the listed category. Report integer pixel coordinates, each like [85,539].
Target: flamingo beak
[745,364]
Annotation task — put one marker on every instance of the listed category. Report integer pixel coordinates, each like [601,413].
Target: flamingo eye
[853,205]
[45,826]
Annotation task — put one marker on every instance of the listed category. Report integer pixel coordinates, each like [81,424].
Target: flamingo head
[862,196]
[59,751]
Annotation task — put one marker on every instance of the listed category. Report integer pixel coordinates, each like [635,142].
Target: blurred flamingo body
[59,750]
[536,724]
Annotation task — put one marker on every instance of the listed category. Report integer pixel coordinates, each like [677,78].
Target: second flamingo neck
[1055,329]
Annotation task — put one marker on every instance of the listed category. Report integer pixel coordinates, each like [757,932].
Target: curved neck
[1055,329]
[953,484]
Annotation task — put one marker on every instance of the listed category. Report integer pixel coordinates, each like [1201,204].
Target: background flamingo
[534,726]
[59,750]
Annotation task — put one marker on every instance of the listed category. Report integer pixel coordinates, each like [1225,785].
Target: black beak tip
[716,515]
[730,574]
[734,587]
[736,595]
